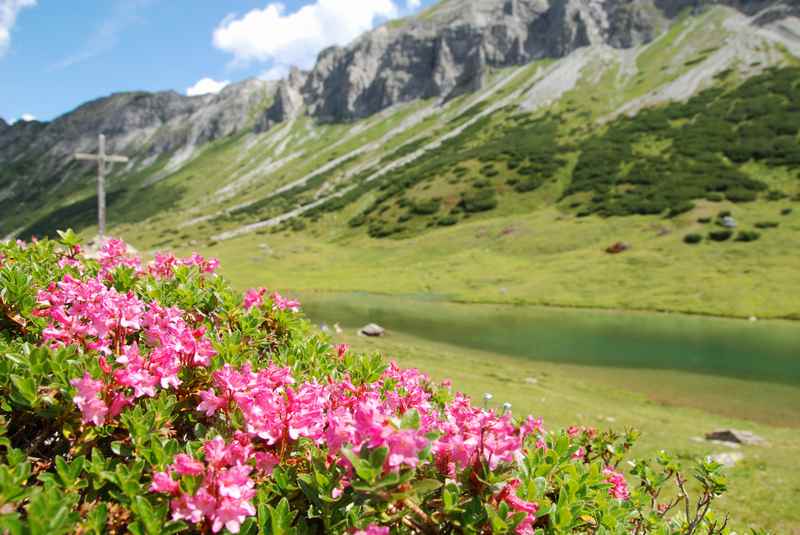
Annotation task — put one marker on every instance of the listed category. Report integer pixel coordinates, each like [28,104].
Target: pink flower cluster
[90,315]
[509,495]
[619,487]
[113,254]
[92,408]
[255,298]
[277,410]
[224,497]
[164,264]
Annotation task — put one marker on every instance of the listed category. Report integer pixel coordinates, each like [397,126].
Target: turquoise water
[764,351]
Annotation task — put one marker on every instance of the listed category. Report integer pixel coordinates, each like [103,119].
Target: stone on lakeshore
[728,459]
[372,329]
[736,436]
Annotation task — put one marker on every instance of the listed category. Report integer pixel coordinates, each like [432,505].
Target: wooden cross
[104,162]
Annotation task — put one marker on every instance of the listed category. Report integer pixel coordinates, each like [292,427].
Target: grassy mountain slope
[512,194]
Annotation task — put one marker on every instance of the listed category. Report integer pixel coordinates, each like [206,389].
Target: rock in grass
[728,459]
[617,248]
[372,329]
[736,436]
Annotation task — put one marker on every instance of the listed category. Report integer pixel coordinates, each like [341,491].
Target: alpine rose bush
[149,397]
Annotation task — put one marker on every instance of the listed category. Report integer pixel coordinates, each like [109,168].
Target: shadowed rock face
[444,51]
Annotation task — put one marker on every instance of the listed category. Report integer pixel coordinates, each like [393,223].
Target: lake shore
[692,361]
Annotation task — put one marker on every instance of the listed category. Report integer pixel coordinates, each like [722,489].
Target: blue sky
[57,54]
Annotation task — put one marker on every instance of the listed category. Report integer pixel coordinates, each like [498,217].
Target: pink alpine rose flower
[93,409]
[254,298]
[163,482]
[619,487]
[186,466]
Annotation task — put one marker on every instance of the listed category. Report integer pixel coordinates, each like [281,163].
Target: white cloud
[8,17]
[206,86]
[272,35]
[25,118]
[413,4]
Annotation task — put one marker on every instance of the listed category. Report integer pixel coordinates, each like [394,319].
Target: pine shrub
[692,239]
[720,235]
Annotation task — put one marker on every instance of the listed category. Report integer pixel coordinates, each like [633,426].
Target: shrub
[723,214]
[720,235]
[740,195]
[767,225]
[681,208]
[775,195]
[526,185]
[787,211]
[230,414]
[481,183]
[747,236]
[479,201]
[704,220]
[298,224]
[380,229]
[692,239]
[447,221]
[714,197]
[357,221]
[426,207]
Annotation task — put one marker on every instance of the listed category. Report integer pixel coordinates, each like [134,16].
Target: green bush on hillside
[693,239]
[481,200]
[426,207]
[747,236]
[720,235]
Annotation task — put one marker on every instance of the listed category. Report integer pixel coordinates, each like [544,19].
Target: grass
[764,487]
[544,258]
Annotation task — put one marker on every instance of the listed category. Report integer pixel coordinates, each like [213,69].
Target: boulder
[372,329]
[735,436]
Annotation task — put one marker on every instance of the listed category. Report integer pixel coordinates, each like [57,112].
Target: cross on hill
[104,163]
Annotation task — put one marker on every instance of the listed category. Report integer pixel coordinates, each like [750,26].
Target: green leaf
[410,420]
[377,458]
[426,486]
[24,392]
[281,518]
[96,519]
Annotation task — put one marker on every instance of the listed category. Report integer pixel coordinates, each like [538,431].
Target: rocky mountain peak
[445,50]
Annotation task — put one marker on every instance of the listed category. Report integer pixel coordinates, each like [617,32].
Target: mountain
[35,157]
[575,114]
